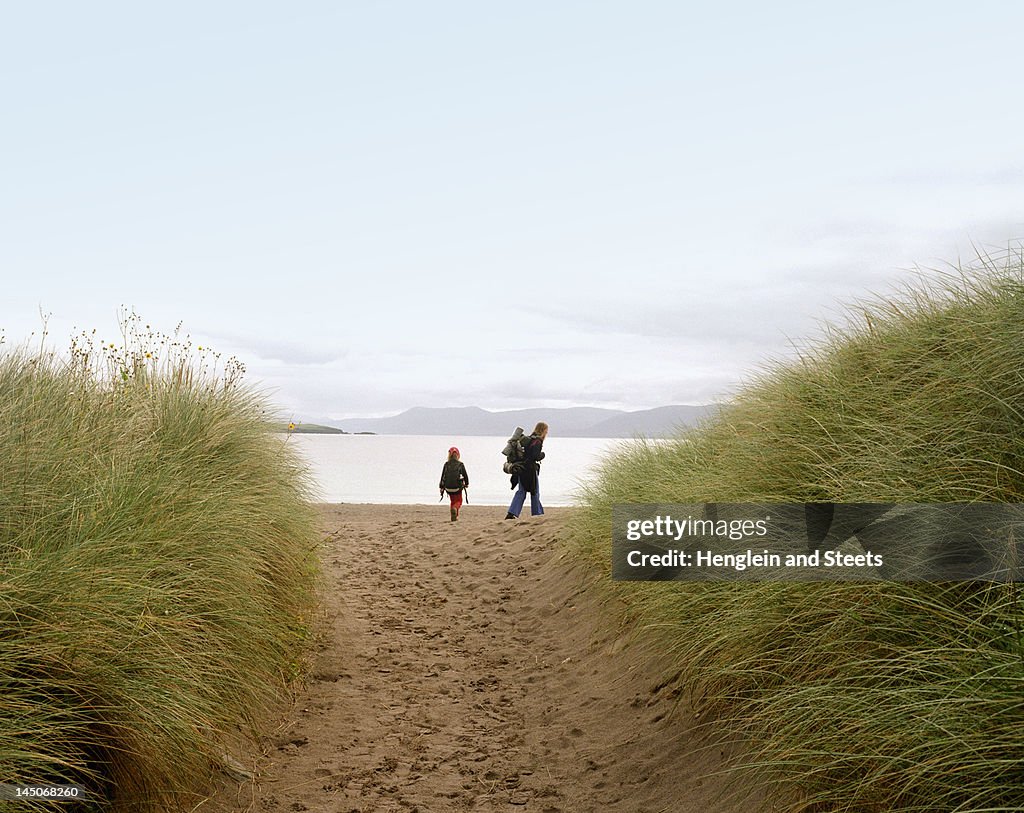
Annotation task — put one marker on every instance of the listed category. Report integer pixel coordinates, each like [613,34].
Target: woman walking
[529,474]
[454,478]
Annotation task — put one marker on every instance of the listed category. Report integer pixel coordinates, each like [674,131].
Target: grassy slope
[873,696]
[157,566]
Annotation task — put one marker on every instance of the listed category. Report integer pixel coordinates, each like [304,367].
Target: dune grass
[874,696]
[157,561]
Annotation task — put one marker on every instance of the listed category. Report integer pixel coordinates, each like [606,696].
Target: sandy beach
[464,666]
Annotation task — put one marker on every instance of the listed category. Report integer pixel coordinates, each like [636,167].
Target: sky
[381,205]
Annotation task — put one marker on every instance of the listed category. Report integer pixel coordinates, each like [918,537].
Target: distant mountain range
[588,422]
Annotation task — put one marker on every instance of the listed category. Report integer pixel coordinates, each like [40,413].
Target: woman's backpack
[515,452]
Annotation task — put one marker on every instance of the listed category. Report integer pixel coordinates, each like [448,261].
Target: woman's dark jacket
[532,455]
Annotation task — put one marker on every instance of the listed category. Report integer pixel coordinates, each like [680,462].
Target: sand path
[463,667]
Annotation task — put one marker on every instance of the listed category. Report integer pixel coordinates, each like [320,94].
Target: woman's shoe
[510,515]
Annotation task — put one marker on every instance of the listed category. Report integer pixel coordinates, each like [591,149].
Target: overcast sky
[379,205]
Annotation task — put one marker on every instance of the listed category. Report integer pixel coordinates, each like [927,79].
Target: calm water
[406,468]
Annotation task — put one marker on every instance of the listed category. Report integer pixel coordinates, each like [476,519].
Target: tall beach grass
[858,696]
[156,567]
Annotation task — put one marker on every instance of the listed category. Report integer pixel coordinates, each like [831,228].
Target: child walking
[454,479]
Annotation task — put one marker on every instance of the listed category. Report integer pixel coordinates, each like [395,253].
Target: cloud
[611,373]
[682,340]
[1006,175]
[264,349]
[753,315]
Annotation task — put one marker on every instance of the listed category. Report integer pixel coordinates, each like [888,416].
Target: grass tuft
[860,697]
[157,559]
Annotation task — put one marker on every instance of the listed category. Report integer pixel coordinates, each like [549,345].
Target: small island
[314,429]
[308,429]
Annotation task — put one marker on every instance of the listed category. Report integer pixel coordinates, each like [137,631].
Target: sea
[404,469]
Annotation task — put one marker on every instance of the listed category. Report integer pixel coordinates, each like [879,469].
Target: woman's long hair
[541,429]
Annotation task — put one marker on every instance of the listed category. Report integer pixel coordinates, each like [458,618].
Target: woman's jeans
[519,499]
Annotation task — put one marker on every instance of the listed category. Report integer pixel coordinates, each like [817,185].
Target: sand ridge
[465,666]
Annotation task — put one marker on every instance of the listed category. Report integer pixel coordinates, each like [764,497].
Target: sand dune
[464,666]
